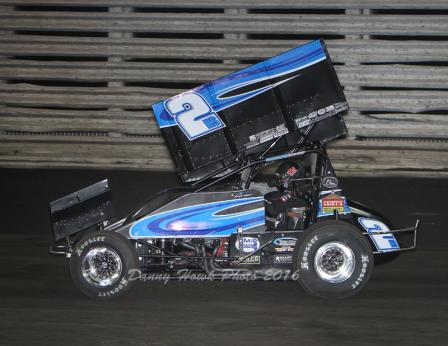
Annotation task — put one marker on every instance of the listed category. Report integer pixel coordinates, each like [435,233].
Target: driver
[278,202]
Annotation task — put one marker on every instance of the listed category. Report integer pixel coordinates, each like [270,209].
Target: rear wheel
[334,260]
[101,265]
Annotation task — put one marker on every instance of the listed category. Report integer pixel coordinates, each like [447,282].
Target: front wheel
[334,260]
[101,265]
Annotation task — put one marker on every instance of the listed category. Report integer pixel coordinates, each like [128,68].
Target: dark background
[77,78]
[405,301]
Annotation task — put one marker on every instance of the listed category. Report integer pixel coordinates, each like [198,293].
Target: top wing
[207,126]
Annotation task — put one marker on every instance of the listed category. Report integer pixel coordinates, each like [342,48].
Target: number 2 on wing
[193,114]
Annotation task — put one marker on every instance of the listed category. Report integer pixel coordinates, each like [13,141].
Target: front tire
[334,260]
[101,265]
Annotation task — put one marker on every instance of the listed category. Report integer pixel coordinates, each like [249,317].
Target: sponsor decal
[284,244]
[332,202]
[321,114]
[383,242]
[251,260]
[266,135]
[285,241]
[330,182]
[250,244]
[284,249]
[279,259]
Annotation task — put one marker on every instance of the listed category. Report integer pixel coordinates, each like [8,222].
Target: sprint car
[259,194]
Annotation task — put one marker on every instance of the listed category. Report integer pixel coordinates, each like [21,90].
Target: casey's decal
[333,202]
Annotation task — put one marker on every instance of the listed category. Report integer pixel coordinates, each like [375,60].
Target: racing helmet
[285,173]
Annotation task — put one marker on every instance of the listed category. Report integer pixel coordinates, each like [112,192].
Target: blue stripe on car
[200,220]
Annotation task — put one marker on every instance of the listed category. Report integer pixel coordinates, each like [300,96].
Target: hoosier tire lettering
[304,263]
[121,286]
[334,260]
[103,265]
[365,261]
[92,240]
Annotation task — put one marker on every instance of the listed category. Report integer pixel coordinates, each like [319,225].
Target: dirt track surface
[406,301]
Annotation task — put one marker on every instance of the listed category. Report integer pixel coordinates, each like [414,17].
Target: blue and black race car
[259,198]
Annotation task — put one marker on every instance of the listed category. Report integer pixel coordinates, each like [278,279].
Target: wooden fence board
[341,50]
[35,120]
[362,75]
[411,101]
[266,4]
[346,160]
[434,25]
[361,127]
[77,77]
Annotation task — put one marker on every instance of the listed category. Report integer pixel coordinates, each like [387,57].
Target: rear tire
[101,265]
[334,260]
